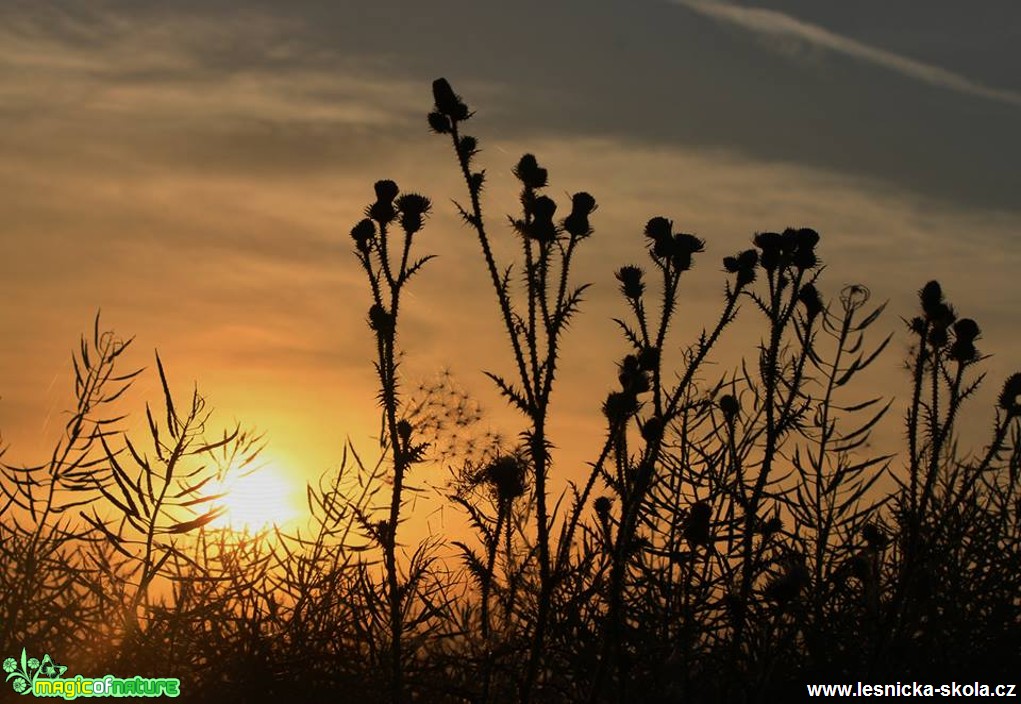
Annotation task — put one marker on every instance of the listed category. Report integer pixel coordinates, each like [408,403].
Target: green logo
[45,678]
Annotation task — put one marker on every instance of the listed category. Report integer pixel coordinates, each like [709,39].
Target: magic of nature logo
[42,677]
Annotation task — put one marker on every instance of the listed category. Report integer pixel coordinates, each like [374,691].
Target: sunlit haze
[192,170]
[266,497]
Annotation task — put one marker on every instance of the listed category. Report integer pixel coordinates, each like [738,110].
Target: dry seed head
[506,476]
[730,406]
[631,285]
[1010,397]
[530,173]
[448,102]
[363,234]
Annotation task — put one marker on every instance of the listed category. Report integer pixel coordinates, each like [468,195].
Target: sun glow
[260,499]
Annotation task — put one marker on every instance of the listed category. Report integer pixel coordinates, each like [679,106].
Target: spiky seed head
[413,209]
[771,526]
[631,285]
[467,146]
[583,203]
[577,223]
[730,406]
[543,208]
[439,123]
[966,329]
[748,259]
[808,296]
[448,102]
[652,429]
[386,190]
[770,244]
[875,537]
[931,296]
[804,259]
[690,242]
[658,228]
[506,476]
[1010,396]
[806,238]
[743,264]
[530,173]
[619,406]
[380,319]
[963,351]
[363,234]
[648,358]
[632,376]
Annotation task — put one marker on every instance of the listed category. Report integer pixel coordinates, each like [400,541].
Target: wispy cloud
[778,25]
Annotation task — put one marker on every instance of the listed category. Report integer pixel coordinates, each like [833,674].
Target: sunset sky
[193,169]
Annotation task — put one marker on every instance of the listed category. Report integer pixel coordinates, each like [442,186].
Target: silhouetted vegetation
[730,539]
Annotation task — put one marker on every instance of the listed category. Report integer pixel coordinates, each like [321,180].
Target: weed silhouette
[730,540]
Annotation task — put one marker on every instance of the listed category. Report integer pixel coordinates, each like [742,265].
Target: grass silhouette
[730,540]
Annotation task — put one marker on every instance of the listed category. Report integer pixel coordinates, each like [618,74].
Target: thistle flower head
[806,238]
[542,210]
[413,209]
[619,406]
[696,527]
[931,296]
[966,329]
[506,476]
[363,234]
[386,191]
[808,296]
[875,537]
[381,320]
[631,285]
[448,102]
[790,582]
[602,506]
[770,244]
[730,406]
[743,264]
[582,205]
[467,147]
[382,211]
[1010,396]
[632,376]
[771,526]
[530,173]
[648,358]
[652,429]
[963,351]
[439,123]
[659,228]
[684,246]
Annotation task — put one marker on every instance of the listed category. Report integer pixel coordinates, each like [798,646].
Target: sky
[192,170]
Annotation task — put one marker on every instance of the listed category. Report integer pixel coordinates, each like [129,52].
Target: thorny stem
[779,316]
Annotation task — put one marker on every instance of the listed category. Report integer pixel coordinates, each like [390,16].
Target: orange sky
[195,175]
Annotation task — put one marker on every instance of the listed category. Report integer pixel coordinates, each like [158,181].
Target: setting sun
[257,500]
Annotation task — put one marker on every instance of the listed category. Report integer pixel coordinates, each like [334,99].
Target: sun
[259,499]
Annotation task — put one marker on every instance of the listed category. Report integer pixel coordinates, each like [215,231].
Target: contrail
[777,24]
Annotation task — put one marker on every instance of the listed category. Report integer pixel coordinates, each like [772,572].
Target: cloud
[780,26]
